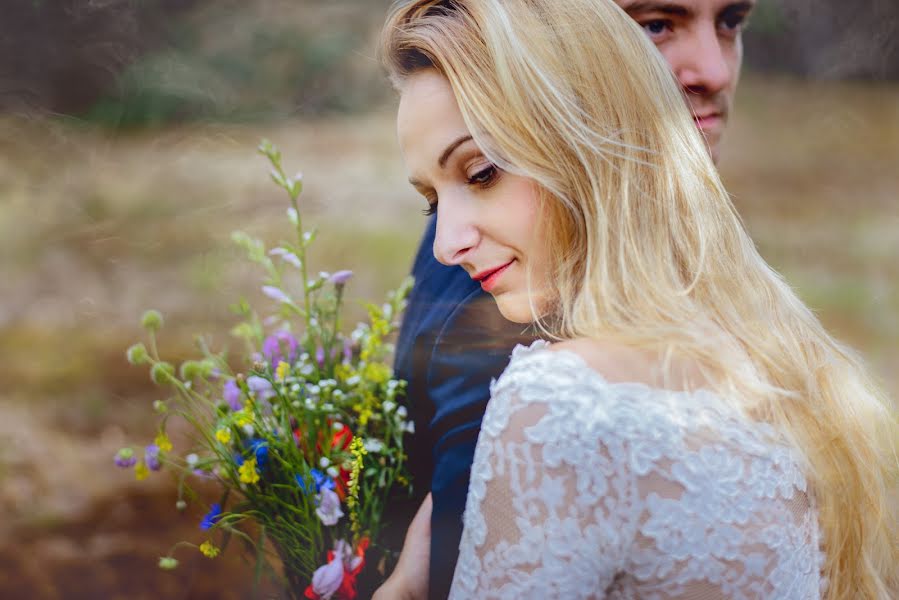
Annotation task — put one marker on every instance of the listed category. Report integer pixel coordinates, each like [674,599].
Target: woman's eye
[431,209]
[483,177]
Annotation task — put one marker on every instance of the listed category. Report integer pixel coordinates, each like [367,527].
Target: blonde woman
[692,431]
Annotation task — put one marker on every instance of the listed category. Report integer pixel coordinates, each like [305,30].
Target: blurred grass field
[96,227]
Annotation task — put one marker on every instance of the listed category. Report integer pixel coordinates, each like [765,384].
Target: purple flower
[320,356]
[261,387]
[340,277]
[232,394]
[125,458]
[347,350]
[280,346]
[212,517]
[327,579]
[151,457]
[276,294]
[287,256]
[329,507]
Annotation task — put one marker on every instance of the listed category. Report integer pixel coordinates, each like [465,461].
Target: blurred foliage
[246,62]
[139,63]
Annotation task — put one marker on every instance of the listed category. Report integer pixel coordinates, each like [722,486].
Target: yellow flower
[163,441]
[243,417]
[223,435]
[141,471]
[248,472]
[343,372]
[209,550]
[377,373]
[282,370]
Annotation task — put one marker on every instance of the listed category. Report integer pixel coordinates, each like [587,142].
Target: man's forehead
[683,8]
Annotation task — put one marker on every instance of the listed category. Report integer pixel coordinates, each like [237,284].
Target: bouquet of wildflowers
[306,443]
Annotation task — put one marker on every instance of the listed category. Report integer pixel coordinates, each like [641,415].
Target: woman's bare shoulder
[617,362]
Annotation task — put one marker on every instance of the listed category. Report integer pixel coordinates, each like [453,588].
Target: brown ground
[93,229]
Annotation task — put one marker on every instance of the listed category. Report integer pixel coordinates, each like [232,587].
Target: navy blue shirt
[452,343]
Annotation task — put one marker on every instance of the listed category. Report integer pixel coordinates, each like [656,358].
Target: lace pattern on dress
[581,488]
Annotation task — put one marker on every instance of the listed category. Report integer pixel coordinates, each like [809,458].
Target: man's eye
[733,22]
[656,27]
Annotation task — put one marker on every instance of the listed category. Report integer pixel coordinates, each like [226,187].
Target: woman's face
[486,218]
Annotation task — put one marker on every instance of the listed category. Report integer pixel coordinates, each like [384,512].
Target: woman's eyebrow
[452,148]
[444,157]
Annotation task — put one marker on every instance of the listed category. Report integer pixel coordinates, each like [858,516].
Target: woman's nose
[457,232]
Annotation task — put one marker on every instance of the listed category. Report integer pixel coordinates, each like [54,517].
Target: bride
[692,431]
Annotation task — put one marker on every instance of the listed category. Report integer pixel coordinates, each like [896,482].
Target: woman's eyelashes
[483,178]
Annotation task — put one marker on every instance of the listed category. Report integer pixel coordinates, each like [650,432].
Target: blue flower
[320,479]
[260,448]
[212,517]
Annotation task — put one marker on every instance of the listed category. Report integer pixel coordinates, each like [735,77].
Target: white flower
[324,462]
[192,460]
[328,507]
[327,579]
[402,412]
[389,406]
[373,445]
[332,471]
[338,426]
[248,429]
[410,427]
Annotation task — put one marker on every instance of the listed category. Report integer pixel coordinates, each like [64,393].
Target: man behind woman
[586,203]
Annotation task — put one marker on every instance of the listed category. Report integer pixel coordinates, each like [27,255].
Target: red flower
[342,438]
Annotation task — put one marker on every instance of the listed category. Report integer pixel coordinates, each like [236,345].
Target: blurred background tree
[145,62]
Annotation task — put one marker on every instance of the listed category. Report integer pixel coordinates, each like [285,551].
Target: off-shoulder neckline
[539,347]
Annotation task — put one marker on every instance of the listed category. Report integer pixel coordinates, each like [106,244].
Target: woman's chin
[515,308]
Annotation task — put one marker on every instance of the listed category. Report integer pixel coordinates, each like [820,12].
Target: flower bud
[167,563]
[192,369]
[181,505]
[137,354]
[162,373]
[151,320]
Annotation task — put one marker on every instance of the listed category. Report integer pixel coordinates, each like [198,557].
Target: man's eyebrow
[739,7]
[444,157]
[658,6]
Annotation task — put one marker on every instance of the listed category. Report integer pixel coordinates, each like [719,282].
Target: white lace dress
[582,488]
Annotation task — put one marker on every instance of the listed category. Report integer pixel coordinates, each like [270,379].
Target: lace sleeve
[585,489]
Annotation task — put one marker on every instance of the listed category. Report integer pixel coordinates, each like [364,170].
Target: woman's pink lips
[708,121]
[488,280]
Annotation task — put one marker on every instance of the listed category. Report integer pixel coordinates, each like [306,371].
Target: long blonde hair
[573,95]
